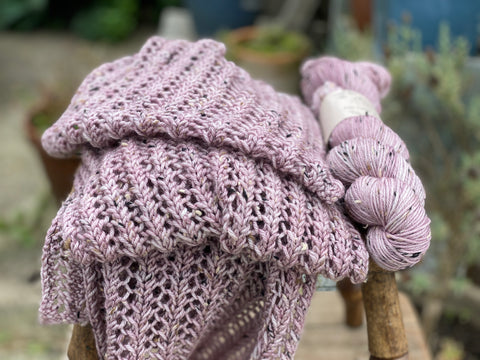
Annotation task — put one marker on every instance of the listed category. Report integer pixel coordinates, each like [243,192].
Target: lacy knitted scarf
[201,215]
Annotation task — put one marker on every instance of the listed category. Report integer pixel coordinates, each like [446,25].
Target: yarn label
[341,104]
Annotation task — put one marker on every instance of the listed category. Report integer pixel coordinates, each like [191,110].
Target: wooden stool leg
[352,296]
[82,344]
[386,332]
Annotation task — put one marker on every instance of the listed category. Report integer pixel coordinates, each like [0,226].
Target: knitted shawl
[201,215]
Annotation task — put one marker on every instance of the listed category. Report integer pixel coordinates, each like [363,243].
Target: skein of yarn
[383,192]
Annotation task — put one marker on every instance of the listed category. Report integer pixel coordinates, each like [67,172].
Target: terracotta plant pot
[278,68]
[59,172]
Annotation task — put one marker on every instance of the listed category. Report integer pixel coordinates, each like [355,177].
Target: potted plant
[59,171]
[269,53]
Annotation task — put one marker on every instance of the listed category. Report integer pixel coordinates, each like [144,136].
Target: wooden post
[82,344]
[352,296]
[386,333]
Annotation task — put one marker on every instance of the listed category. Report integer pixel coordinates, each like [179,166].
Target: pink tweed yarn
[368,79]
[201,215]
[383,192]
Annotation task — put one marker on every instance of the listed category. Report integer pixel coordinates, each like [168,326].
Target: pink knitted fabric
[201,215]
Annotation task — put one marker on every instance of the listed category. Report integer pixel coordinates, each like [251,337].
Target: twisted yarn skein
[383,191]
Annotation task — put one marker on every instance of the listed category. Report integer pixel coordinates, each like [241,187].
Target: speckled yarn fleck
[201,215]
[372,161]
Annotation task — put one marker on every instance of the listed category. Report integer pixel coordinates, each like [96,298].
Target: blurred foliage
[55,98]
[18,229]
[349,43]
[5,337]
[23,228]
[37,348]
[104,20]
[21,13]
[42,121]
[435,108]
[107,20]
[450,350]
[274,40]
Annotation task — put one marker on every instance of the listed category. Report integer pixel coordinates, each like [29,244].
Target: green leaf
[12,11]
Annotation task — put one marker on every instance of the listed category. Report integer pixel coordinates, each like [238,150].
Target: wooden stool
[379,295]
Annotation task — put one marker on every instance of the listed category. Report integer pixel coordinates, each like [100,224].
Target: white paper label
[341,104]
